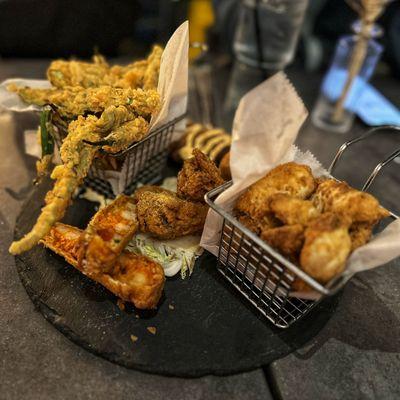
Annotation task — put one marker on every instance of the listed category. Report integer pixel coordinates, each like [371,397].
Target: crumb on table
[134,338]
[171,307]
[152,329]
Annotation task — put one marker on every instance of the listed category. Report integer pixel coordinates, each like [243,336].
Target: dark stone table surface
[355,356]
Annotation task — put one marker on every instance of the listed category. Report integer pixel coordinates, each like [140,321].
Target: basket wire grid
[144,161]
[260,273]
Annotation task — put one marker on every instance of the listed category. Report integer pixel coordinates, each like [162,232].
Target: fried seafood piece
[360,233]
[339,197]
[107,235]
[164,215]
[292,210]
[75,100]
[326,247]
[198,176]
[135,278]
[293,179]
[288,239]
[77,157]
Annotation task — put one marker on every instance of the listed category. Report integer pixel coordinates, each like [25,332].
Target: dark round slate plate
[210,329]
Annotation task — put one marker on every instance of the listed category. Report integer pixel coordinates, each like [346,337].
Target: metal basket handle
[364,136]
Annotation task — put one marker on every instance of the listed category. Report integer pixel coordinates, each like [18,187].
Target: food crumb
[136,316]
[121,304]
[134,338]
[152,329]
[171,307]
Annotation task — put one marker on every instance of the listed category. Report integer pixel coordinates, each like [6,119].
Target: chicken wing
[290,178]
[339,197]
[137,279]
[288,239]
[107,234]
[165,216]
[291,210]
[326,247]
[198,176]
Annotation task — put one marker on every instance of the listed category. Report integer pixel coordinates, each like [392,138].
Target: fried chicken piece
[339,197]
[165,216]
[107,234]
[326,247]
[290,178]
[268,222]
[288,240]
[360,233]
[291,210]
[198,176]
[224,167]
[137,279]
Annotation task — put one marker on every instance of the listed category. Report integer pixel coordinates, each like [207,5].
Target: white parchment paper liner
[265,127]
[172,86]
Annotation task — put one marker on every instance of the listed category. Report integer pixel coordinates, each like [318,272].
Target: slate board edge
[50,315]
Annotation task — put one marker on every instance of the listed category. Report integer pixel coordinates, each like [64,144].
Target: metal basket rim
[329,289]
[151,134]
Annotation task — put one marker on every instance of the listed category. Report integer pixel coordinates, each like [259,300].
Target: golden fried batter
[339,197]
[77,158]
[107,234]
[224,167]
[164,215]
[288,239]
[326,248]
[291,178]
[360,233]
[136,279]
[139,74]
[197,177]
[73,101]
[292,210]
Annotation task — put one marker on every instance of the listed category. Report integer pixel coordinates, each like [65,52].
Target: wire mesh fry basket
[142,162]
[261,274]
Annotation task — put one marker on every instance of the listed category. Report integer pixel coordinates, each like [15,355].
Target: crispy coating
[288,239]
[77,158]
[136,278]
[77,73]
[339,197]
[150,78]
[291,210]
[290,178]
[360,233]
[165,216]
[72,101]
[198,176]
[139,74]
[107,234]
[326,247]
[224,167]
[268,222]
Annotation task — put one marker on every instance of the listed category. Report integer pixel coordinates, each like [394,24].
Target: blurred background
[247,43]
[59,28]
